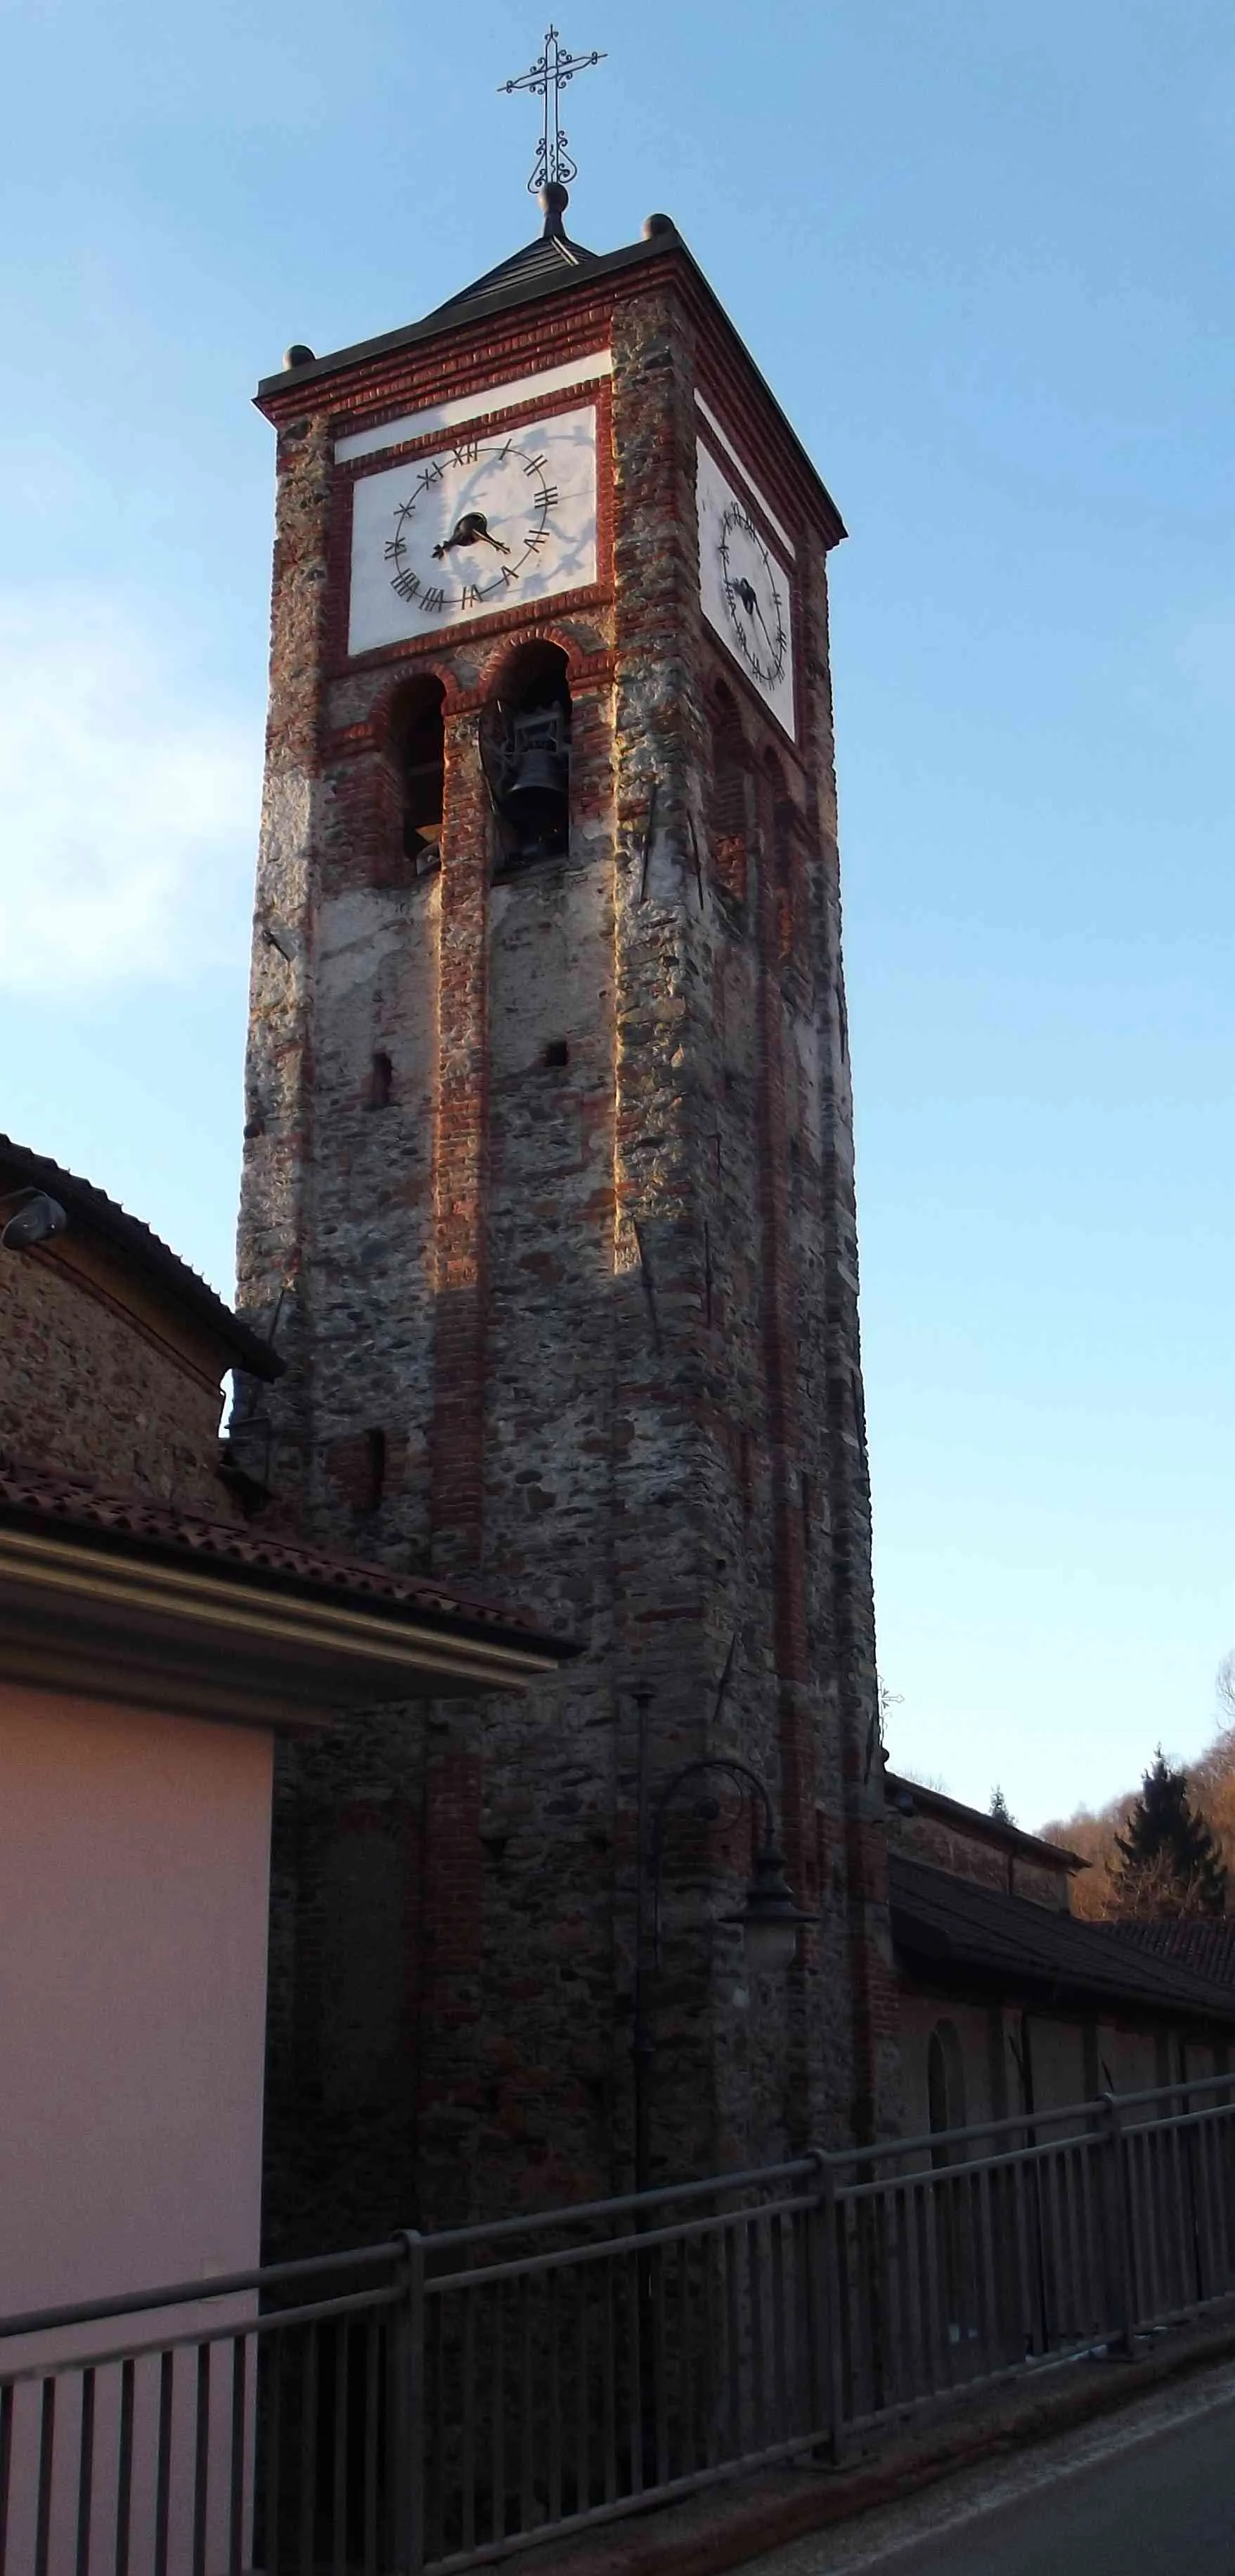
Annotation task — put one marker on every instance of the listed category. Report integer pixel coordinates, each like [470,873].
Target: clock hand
[472,529]
[766,628]
[745,591]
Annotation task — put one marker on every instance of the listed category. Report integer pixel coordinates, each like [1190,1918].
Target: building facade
[548,1199]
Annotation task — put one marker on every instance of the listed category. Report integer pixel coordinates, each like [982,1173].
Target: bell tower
[549,1203]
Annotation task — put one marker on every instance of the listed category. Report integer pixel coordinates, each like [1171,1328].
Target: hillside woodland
[1165,1849]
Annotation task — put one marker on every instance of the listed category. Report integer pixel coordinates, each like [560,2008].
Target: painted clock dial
[746,590]
[487,521]
[753,595]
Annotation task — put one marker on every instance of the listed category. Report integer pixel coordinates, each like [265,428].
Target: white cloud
[128,804]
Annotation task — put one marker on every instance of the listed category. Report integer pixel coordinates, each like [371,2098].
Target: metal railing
[440,2401]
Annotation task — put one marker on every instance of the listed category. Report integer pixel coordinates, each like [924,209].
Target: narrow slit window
[381,1080]
[375,1462]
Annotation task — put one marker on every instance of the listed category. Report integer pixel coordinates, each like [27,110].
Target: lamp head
[769,1918]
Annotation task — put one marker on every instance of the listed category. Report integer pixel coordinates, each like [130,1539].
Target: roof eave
[84,1611]
[272,391]
[984,1828]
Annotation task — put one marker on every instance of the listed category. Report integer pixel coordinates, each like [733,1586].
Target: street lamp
[768,1917]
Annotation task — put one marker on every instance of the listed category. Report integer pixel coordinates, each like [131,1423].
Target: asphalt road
[1145,2494]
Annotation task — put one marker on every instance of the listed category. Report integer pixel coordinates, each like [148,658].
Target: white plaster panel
[475,406]
[723,439]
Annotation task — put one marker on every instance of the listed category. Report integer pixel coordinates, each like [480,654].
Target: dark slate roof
[547,262]
[984,1827]
[34,1498]
[542,267]
[1205,1944]
[951,1927]
[91,1210]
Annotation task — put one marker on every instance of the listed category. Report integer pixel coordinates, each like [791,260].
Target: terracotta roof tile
[78,1503]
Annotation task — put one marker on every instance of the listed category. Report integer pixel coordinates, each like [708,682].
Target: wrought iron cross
[547,79]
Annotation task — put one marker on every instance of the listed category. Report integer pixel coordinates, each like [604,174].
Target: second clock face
[746,592]
[486,522]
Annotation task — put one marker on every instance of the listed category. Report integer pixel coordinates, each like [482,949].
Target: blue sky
[983,256]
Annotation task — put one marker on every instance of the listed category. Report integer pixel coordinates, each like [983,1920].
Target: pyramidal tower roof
[550,260]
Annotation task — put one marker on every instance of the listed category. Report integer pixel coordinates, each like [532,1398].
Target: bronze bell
[537,801]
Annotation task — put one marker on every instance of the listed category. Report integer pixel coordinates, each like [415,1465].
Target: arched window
[727,813]
[945,2094]
[417,751]
[526,749]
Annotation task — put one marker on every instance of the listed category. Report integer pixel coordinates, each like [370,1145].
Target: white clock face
[487,521]
[747,594]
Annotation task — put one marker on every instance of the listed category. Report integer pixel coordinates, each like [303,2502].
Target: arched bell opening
[527,757]
[416,748]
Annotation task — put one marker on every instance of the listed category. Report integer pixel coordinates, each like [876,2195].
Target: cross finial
[547,79]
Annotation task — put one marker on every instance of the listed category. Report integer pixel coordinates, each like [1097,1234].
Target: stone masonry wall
[981,1857]
[602,1313]
[91,1387]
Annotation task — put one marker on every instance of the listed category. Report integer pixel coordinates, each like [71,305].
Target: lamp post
[769,1919]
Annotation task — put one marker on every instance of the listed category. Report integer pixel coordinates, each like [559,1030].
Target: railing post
[407,2415]
[1121,2252]
[824,2306]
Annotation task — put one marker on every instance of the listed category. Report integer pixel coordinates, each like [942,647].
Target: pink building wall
[134,1875]
[134,1879]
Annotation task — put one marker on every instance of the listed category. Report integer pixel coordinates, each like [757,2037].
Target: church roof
[1203,1943]
[950,1928]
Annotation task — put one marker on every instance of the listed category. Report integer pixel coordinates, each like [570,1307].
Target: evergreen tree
[1169,1862]
[1000,1809]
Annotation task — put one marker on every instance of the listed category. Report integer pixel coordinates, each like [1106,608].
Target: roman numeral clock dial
[486,522]
[746,591]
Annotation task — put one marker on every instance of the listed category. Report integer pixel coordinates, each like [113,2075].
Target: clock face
[485,522]
[747,594]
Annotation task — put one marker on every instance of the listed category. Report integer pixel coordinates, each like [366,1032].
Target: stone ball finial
[654,224]
[553,201]
[299,355]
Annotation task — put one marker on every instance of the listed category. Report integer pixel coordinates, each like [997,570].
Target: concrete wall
[1071,2057]
[133,1903]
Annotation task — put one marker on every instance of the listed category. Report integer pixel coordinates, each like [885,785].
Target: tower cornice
[573,308]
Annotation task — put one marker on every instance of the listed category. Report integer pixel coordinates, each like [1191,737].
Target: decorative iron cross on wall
[547,79]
